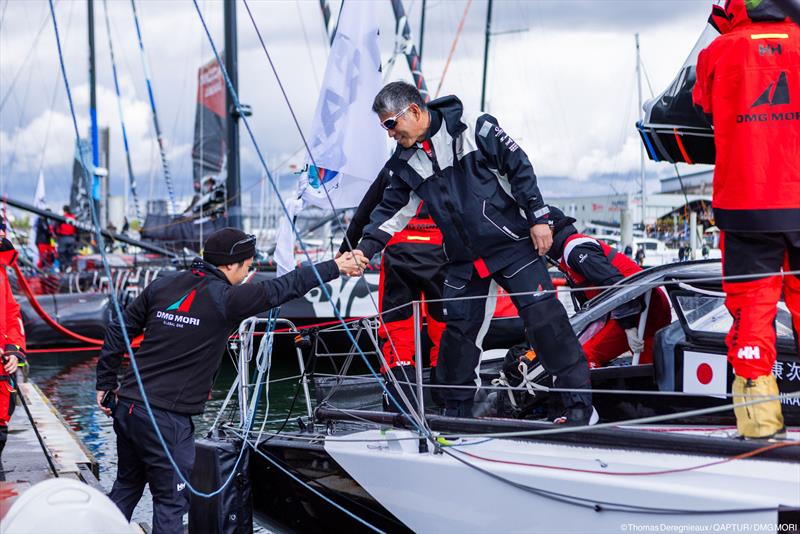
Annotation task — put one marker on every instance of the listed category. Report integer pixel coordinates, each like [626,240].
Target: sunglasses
[249,240]
[391,122]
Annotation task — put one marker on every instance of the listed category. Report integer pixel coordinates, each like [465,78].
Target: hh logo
[184,303]
[749,353]
[776,93]
[181,486]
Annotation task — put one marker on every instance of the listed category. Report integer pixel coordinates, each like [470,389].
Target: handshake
[351,263]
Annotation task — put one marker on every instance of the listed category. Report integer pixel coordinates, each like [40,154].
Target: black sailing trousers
[142,460]
[547,328]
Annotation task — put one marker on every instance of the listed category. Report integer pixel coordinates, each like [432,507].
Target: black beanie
[228,246]
[559,220]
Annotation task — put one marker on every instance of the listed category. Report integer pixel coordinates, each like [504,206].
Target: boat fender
[230,511]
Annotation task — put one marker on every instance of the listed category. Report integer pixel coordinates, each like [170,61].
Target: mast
[409,49]
[330,27]
[486,52]
[233,184]
[641,145]
[94,194]
[422,27]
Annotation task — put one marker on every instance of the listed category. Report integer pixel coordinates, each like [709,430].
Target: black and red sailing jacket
[65,228]
[748,80]
[11,329]
[420,229]
[589,262]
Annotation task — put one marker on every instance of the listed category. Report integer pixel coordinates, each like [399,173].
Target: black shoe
[408,389]
[578,416]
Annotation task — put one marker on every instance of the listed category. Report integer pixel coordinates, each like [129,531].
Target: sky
[561,81]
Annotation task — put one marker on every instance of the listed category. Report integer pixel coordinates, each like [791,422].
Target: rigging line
[653,284]
[131,175]
[24,62]
[578,390]
[56,86]
[159,136]
[674,165]
[235,96]
[13,159]
[308,45]
[114,300]
[725,460]
[601,506]
[318,493]
[642,420]
[452,47]
[3,14]
[313,161]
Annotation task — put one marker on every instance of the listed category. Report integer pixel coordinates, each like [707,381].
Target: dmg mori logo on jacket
[775,94]
[184,303]
[180,306]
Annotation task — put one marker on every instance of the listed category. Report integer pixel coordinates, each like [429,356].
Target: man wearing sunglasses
[186,318]
[480,189]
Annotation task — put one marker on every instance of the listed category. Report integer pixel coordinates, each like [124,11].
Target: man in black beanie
[186,318]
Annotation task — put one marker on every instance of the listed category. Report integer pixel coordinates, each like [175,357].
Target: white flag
[40,202]
[284,247]
[347,143]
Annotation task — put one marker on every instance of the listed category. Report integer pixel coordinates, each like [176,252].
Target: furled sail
[673,129]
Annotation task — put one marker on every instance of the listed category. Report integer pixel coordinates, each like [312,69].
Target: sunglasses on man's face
[391,122]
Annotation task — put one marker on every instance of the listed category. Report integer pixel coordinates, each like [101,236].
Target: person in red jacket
[748,82]
[66,240]
[588,263]
[12,337]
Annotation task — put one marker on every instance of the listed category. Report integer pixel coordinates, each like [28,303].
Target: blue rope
[159,136]
[115,300]
[235,98]
[316,492]
[131,175]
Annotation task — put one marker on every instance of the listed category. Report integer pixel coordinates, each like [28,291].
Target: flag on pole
[348,146]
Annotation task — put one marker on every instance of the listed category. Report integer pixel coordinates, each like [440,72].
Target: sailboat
[664,454]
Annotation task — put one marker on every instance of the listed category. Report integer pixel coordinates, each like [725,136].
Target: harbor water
[68,380]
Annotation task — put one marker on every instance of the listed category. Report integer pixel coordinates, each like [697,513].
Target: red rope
[23,284]
[453,47]
[685,154]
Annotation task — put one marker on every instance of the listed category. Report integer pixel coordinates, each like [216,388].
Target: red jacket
[11,329]
[586,266]
[748,80]
[65,228]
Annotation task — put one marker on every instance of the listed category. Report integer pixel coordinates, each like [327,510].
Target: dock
[24,461]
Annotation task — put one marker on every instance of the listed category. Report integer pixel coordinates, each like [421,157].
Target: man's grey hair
[395,97]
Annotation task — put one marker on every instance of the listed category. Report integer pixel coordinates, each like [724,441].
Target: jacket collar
[203,268]
[743,12]
[448,110]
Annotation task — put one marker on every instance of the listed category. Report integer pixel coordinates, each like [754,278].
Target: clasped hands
[352,263]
